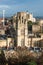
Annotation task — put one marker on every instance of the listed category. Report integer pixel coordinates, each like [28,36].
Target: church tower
[22,30]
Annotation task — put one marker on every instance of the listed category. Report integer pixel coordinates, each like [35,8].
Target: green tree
[32,63]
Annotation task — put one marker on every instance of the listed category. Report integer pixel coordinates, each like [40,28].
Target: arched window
[29,26]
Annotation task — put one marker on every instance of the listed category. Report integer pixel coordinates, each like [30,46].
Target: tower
[22,30]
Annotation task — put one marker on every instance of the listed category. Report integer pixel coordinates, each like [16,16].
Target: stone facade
[23,37]
[27,32]
[8,42]
[3,43]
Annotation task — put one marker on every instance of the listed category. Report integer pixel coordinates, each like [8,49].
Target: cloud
[4,6]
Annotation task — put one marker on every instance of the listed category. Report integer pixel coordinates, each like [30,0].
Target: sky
[13,6]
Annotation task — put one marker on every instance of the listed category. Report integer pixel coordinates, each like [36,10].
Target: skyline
[13,6]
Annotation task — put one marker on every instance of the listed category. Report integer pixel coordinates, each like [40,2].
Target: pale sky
[13,6]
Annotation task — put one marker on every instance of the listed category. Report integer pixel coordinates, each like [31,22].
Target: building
[6,42]
[27,30]
[26,34]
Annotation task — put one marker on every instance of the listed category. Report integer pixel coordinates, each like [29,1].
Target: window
[36,44]
[19,17]
[29,27]
[22,17]
[38,35]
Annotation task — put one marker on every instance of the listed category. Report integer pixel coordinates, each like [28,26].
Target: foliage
[12,61]
[32,63]
[2,58]
[30,26]
[40,60]
[22,58]
[30,23]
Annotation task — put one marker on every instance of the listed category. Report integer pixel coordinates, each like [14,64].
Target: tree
[30,26]
[32,63]
[40,60]
[2,58]
[12,61]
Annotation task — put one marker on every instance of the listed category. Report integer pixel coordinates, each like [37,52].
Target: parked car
[31,49]
[37,49]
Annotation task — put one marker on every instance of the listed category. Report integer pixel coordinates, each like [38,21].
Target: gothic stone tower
[22,30]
